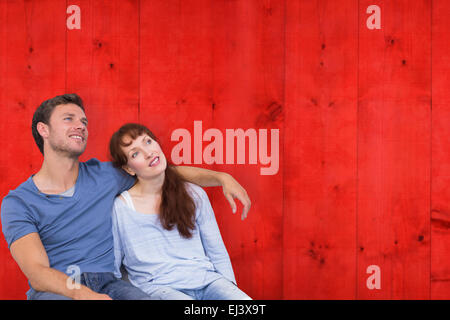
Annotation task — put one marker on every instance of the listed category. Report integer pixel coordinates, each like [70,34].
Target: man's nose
[80,125]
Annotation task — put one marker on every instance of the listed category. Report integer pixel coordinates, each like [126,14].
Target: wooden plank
[103,68]
[248,93]
[195,52]
[440,178]
[175,64]
[320,150]
[394,150]
[32,47]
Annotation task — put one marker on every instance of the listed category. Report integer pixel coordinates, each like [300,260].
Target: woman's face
[145,157]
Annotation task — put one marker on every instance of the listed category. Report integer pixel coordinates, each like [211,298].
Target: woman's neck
[148,187]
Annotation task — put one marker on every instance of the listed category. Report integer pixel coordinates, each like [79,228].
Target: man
[58,221]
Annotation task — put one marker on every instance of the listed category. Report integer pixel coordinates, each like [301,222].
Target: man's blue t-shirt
[74,230]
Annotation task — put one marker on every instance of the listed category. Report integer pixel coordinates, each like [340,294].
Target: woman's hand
[232,190]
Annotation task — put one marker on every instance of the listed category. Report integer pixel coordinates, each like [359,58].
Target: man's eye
[70,118]
[149,141]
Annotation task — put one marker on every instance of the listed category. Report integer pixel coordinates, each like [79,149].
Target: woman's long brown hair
[177,206]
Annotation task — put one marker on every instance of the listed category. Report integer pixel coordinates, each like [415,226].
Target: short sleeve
[16,219]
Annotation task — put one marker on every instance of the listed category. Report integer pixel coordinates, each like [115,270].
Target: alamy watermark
[221,147]
[374,281]
[73,281]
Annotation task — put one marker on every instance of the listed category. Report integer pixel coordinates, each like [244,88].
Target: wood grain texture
[103,68]
[363,115]
[440,194]
[394,114]
[248,93]
[320,150]
[222,65]
[32,69]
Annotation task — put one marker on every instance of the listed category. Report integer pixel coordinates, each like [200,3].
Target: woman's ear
[128,170]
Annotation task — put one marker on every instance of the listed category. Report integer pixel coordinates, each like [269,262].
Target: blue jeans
[100,282]
[220,289]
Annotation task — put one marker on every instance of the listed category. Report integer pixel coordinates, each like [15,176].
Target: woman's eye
[149,141]
[134,155]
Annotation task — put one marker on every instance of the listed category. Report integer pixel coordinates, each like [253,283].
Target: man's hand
[84,293]
[209,178]
[232,190]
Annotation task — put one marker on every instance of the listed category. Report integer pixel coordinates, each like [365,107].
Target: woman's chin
[154,174]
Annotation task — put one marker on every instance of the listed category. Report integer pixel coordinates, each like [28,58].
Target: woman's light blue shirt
[154,257]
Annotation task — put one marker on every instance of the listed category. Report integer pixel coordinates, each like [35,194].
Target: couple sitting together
[136,213]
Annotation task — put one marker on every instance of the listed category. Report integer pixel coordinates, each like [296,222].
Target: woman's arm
[209,178]
[118,250]
[211,238]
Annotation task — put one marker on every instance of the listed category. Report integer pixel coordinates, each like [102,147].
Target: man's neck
[57,174]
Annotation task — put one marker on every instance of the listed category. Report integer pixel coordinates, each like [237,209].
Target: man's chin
[72,154]
[69,151]
[77,153]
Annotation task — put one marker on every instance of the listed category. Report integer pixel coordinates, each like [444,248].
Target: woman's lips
[154,162]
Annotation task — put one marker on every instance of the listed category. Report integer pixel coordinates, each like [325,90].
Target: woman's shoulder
[195,191]
[198,195]
[119,200]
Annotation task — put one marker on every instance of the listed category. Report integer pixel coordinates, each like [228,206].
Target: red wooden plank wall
[440,155]
[320,149]
[394,130]
[362,114]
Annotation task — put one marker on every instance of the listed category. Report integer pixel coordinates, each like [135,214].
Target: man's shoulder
[105,171]
[20,197]
[95,163]
[97,167]
[22,190]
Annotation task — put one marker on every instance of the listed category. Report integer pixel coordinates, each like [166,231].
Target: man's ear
[128,170]
[43,129]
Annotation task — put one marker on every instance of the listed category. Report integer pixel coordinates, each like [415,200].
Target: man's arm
[32,259]
[209,178]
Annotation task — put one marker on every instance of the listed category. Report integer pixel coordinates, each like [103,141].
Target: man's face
[67,130]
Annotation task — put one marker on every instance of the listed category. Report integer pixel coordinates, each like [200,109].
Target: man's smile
[77,137]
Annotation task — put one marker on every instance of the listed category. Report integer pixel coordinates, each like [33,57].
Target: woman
[165,232]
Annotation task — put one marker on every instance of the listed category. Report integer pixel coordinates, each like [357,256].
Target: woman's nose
[148,154]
